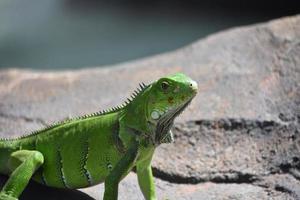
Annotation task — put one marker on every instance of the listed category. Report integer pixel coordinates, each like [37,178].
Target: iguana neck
[133,119]
[141,128]
[134,115]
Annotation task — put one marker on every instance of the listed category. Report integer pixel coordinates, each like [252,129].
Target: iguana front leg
[119,171]
[146,180]
[22,164]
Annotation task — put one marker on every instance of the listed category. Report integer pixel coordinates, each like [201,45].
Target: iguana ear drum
[155,115]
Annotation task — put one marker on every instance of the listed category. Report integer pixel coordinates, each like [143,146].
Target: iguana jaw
[166,121]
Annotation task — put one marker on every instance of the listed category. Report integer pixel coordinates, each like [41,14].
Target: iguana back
[71,151]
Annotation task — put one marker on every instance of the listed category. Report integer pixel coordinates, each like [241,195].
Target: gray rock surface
[239,139]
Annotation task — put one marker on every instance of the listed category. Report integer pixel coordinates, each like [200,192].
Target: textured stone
[228,151]
[239,139]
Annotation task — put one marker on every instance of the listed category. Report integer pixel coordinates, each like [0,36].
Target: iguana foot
[4,196]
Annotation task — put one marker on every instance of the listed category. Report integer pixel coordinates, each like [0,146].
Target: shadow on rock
[35,191]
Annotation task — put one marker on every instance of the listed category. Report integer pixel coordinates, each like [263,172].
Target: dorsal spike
[141,86]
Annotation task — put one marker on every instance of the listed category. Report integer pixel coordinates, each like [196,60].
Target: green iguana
[101,147]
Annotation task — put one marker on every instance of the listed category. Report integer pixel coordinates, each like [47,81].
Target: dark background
[60,34]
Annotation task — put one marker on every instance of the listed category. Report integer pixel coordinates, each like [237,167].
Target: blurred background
[62,34]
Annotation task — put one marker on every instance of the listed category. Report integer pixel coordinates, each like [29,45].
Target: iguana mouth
[166,121]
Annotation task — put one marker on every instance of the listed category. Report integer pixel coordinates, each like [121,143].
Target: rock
[129,190]
[235,152]
[236,140]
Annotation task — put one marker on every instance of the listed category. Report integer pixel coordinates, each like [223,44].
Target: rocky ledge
[239,139]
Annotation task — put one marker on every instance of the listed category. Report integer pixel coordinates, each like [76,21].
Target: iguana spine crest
[133,95]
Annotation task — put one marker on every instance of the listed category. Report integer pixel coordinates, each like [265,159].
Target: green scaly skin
[102,147]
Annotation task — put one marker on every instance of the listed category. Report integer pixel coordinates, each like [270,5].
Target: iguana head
[167,98]
[158,104]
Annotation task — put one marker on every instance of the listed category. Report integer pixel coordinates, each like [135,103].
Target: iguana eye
[165,85]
